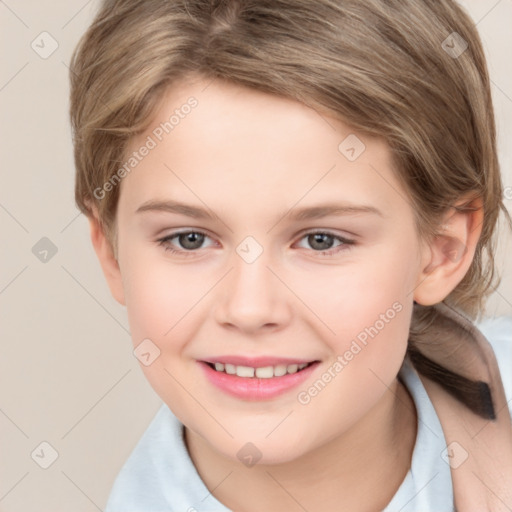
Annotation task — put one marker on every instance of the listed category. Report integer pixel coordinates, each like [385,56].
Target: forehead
[235,144]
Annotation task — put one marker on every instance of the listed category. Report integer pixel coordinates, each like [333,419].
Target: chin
[263,452]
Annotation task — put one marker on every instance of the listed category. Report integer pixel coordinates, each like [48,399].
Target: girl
[296,202]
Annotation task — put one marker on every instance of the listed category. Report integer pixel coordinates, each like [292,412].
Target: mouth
[256,383]
[261,372]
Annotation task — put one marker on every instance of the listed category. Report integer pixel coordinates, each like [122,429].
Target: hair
[380,66]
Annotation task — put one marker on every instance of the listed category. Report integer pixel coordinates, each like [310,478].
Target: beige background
[67,373]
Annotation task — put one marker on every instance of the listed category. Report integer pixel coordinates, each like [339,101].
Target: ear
[108,261]
[447,258]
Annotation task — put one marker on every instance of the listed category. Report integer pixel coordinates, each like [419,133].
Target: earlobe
[107,259]
[449,255]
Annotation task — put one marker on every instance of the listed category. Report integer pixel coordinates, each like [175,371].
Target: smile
[256,383]
[265,372]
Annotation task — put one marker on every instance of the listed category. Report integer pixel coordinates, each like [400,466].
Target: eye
[323,242]
[190,241]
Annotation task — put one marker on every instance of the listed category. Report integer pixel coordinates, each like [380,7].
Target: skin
[250,158]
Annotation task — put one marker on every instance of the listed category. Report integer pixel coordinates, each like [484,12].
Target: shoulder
[159,474]
[138,486]
[498,331]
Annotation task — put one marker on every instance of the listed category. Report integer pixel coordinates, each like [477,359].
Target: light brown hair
[381,66]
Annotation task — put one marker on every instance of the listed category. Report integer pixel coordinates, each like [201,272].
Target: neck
[359,470]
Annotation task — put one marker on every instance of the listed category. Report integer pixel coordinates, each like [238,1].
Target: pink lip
[254,388]
[256,362]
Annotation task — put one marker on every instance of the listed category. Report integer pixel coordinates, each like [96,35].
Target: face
[258,228]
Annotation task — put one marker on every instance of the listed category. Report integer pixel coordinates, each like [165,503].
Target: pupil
[191,240]
[320,241]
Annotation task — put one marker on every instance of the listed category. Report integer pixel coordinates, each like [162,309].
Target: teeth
[280,370]
[245,371]
[266,372]
[293,368]
[231,369]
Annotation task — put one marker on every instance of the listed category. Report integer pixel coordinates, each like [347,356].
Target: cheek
[370,314]
[158,293]
[161,300]
[369,295]
[367,306]
[376,304]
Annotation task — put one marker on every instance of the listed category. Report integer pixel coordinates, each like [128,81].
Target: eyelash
[344,246]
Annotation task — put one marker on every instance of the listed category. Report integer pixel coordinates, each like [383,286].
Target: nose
[252,297]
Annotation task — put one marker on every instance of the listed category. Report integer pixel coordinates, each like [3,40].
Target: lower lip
[253,388]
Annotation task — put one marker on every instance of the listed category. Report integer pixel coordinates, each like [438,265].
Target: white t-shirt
[159,475]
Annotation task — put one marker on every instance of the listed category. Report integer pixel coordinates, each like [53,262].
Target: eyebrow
[298,214]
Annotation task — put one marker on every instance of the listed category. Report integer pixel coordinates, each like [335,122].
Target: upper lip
[256,362]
